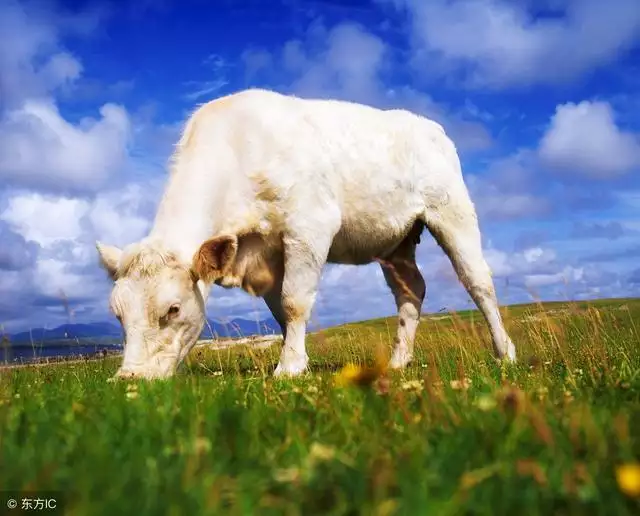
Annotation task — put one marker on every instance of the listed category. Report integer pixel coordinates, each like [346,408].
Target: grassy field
[454,434]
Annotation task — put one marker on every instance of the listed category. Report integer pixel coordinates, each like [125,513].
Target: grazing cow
[265,189]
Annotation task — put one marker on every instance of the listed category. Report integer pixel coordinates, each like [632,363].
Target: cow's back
[294,140]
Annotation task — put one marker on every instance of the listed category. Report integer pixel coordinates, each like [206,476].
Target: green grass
[453,434]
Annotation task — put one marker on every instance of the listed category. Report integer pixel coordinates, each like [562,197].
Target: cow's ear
[109,257]
[215,257]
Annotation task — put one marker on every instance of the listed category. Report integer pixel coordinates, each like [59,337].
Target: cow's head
[160,301]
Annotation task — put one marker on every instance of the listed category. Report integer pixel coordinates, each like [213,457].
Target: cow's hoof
[290,369]
[400,360]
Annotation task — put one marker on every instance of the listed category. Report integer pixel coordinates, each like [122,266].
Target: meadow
[456,433]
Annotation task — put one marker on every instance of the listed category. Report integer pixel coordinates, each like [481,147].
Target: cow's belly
[377,218]
[361,243]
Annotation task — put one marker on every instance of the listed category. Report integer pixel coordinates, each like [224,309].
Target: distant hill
[237,327]
[67,331]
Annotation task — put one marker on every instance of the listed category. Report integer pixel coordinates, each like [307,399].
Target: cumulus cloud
[118,216]
[65,183]
[31,216]
[38,146]
[55,278]
[33,63]
[581,143]
[534,260]
[583,139]
[59,259]
[500,43]
[541,273]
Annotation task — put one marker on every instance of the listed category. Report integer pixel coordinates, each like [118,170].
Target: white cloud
[39,147]
[65,229]
[540,273]
[117,216]
[584,139]
[529,261]
[53,277]
[33,63]
[500,43]
[567,275]
[60,177]
[45,219]
[539,255]
[580,141]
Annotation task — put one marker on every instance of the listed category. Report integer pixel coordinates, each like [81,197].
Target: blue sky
[541,97]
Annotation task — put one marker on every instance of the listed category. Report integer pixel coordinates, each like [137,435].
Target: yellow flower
[352,374]
[348,374]
[628,477]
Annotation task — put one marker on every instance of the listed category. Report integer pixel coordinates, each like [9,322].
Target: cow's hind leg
[273,299]
[408,287]
[455,228]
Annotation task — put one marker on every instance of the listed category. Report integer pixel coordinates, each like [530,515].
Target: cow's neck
[188,212]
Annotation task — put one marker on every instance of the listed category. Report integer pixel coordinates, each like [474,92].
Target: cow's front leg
[303,266]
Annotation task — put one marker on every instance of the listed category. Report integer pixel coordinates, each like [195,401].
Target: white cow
[264,190]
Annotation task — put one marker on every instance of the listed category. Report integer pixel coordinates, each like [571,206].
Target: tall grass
[455,433]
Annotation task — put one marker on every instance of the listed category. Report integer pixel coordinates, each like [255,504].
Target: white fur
[311,181]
